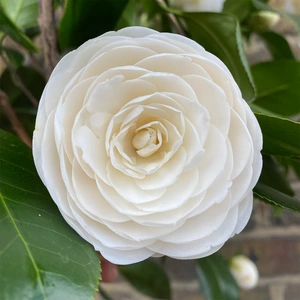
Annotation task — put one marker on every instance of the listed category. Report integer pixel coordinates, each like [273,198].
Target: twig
[48,34]
[12,117]
[20,83]
[173,19]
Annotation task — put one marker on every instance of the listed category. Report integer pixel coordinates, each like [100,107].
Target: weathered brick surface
[292,291]
[261,293]
[272,256]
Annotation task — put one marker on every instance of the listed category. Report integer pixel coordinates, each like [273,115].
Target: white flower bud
[244,271]
[263,20]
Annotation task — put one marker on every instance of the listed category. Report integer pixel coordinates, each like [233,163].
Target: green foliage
[148,278]
[225,42]
[273,196]
[7,26]
[277,93]
[277,45]
[280,136]
[84,20]
[23,13]
[240,9]
[216,281]
[273,176]
[41,256]
[129,15]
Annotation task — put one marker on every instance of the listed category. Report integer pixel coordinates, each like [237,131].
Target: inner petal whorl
[146,142]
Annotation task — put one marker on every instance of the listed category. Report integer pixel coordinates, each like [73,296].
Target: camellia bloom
[244,271]
[147,147]
[198,5]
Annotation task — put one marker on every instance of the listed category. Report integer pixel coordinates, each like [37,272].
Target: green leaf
[15,58]
[9,28]
[273,176]
[216,281]
[41,257]
[82,21]
[274,197]
[23,13]
[148,278]
[277,45]
[240,9]
[278,88]
[129,16]
[280,136]
[225,42]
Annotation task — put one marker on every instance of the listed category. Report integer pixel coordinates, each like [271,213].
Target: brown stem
[48,34]
[173,19]
[12,117]
[20,83]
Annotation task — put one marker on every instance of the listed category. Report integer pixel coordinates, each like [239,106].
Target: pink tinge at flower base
[147,147]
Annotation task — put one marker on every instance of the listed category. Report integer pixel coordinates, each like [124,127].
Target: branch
[20,83]
[48,34]
[172,19]
[12,117]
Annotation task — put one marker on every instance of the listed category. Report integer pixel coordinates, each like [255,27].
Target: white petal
[126,187]
[204,223]
[240,142]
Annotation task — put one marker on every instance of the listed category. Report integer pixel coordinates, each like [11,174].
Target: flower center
[145,142]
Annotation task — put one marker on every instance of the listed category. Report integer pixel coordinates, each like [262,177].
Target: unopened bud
[263,20]
[244,271]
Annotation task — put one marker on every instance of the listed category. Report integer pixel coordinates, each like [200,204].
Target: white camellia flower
[244,271]
[147,147]
[198,5]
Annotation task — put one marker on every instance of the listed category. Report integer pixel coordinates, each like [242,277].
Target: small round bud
[263,20]
[244,271]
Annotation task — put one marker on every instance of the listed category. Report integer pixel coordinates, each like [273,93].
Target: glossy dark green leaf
[41,257]
[148,278]
[274,197]
[277,45]
[9,28]
[274,177]
[280,136]
[83,21]
[225,42]
[240,9]
[278,88]
[216,281]
[23,13]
